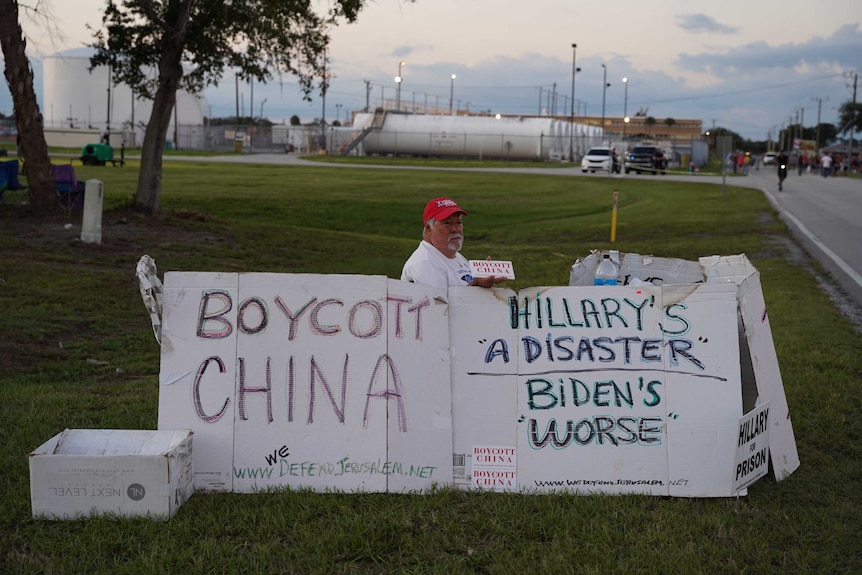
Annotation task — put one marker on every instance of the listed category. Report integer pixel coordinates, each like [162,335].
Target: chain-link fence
[335,140]
[314,139]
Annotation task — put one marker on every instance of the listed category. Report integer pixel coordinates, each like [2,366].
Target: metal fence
[333,140]
[312,139]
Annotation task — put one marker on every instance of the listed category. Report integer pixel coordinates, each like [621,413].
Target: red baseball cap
[440,209]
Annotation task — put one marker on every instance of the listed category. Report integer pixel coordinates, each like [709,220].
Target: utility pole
[236,118]
[108,119]
[796,129]
[604,90]
[819,101]
[323,86]
[572,108]
[554,101]
[852,122]
[367,93]
[801,122]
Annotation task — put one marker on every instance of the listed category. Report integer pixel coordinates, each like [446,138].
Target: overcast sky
[748,66]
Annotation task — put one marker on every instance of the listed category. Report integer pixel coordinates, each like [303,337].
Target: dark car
[645,159]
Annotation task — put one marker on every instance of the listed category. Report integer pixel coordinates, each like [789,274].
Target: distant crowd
[825,164]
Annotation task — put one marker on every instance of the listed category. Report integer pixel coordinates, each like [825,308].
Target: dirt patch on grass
[54,243]
[123,231]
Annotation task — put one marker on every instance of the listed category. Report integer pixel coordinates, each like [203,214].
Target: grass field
[77,351]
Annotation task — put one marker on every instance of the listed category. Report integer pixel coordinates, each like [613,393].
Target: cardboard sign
[612,389]
[483,392]
[328,382]
[367,383]
[492,268]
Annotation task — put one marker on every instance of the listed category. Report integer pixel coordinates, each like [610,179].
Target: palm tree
[650,122]
[669,122]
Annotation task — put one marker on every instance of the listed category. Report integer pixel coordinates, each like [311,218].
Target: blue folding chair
[70,192]
[9,181]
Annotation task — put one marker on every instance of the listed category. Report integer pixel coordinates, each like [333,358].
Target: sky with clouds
[751,67]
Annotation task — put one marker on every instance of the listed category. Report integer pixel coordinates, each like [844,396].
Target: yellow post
[614,218]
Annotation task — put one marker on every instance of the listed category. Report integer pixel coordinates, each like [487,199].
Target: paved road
[825,214]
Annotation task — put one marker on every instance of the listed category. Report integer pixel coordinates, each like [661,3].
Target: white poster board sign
[484,382]
[366,383]
[327,382]
[612,389]
[197,374]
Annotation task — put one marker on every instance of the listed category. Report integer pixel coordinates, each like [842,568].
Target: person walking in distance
[781,161]
[826,164]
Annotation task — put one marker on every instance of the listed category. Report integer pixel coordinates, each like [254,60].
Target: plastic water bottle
[606,272]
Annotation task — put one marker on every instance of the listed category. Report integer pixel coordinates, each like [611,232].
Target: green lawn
[77,351]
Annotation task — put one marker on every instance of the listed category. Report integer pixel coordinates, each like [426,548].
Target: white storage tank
[75,97]
[483,137]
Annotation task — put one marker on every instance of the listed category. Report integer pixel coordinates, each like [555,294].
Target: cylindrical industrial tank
[488,137]
[75,97]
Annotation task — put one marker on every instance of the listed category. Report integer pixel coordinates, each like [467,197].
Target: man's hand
[487,282]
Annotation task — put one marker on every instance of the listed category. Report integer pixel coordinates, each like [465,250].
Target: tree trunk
[28,118]
[149,192]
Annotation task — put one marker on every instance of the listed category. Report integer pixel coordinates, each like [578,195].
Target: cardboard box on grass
[84,472]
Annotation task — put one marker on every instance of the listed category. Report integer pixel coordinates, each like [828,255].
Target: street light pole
[852,124]
[625,106]
[398,79]
[604,90]
[323,86]
[451,93]
[817,129]
[575,70]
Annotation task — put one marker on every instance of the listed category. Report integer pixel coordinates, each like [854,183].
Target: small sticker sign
[489,268]
[495,467]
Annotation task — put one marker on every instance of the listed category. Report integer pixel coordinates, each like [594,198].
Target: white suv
[600,158]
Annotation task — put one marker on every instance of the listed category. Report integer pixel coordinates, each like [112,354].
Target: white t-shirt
[826,161]
[428,265]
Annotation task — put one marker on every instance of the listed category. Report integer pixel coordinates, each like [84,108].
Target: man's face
[446,235]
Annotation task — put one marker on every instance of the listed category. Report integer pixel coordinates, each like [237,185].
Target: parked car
[599,158]
[646,159]
[769,158]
